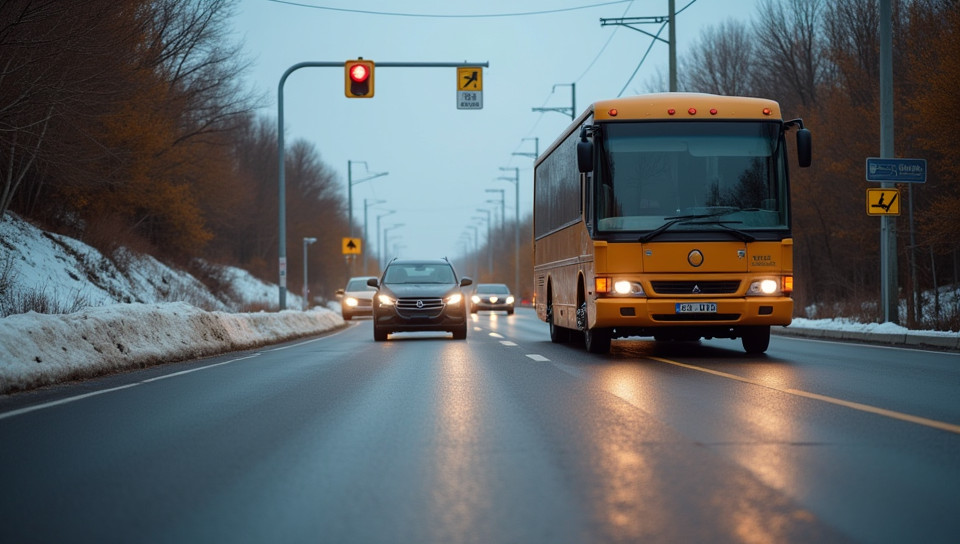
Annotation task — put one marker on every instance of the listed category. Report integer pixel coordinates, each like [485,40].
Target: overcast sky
[442,161]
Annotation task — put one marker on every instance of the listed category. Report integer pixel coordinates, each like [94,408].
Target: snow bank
[39,349]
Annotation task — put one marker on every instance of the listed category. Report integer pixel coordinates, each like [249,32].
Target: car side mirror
[373,282]
[465,281]
[340,292]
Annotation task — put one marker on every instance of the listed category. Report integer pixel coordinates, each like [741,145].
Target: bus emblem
[695,258]
[696,290]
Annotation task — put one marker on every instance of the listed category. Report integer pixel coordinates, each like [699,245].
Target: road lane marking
[941,425]
[536,357]
[508,343]
[67,400]
[495,334]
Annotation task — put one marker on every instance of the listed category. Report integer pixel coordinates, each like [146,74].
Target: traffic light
[358,78]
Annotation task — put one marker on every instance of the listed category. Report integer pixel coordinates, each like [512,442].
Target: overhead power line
[449,16]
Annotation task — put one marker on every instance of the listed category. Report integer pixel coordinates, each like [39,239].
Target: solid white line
[536,357]
[67,400]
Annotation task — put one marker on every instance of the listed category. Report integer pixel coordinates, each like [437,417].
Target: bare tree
[721,61]
[790,57]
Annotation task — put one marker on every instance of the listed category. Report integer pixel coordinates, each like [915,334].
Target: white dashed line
[536,357]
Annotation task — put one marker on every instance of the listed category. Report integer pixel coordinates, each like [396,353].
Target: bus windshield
[723,175]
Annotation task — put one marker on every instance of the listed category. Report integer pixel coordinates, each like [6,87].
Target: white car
[357,298]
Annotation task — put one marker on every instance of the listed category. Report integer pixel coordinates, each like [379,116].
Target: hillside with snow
[99,316]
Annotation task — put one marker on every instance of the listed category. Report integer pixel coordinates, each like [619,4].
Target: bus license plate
[696,307]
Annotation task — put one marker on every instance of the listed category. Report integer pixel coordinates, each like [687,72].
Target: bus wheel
[558,335]
[595,340]
[755,340]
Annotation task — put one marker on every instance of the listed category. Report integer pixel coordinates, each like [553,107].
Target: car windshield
[419,273]
[492,288]
[359,284]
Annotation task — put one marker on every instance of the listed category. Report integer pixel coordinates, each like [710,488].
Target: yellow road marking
[943,426]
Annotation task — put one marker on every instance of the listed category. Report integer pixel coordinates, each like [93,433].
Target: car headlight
[454,299]
[763,287]
[475,299]
[386,300]
[510,299]
[350,301]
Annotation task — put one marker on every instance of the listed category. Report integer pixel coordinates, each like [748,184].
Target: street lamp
[501,202]
[476,253]
[350,183]
[386,239]
[306,290]
[366,240]
[516,227]
[489,240]
[379,250]
[536,148]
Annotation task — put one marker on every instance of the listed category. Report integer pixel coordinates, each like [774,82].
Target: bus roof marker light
[692,111]
[713,111]
[767,111]
[671,111]
[613,112]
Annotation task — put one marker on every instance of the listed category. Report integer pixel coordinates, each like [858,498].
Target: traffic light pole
[281,204]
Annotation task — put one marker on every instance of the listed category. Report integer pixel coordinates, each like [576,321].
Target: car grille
[695,287]
[420,307]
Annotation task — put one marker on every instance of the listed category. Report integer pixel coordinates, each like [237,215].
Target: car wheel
[347,317]
[461,333]
[379,334]
[510,311]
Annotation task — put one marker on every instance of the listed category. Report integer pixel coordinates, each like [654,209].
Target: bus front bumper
[624,313]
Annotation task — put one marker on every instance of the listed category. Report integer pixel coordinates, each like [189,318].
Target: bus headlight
[623,288]
[764,287]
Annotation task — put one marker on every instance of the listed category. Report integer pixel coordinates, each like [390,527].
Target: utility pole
[516,227]
[670,20]
[572,110]
[536,149]
[888,224]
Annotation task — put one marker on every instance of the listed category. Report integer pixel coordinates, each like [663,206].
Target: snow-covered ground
[148,313]
[144,314]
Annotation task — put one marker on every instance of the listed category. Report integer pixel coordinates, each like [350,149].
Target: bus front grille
[727,287]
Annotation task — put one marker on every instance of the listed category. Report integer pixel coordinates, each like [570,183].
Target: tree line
[127,123]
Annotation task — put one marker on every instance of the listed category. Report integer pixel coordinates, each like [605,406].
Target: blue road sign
[897,170]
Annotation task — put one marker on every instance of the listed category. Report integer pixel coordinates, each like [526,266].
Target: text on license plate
[696,307]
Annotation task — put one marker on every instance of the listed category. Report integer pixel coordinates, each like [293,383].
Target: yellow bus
[667,215]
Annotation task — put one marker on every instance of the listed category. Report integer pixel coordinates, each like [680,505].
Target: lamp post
[306,289]
[350,183]
[366,241]
[476,253]
[516,227]
[379,250]
[572,110]
[386,238]
[489,240]
[501,202]
[536,148]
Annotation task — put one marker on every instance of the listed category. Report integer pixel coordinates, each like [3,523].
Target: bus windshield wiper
[690,219]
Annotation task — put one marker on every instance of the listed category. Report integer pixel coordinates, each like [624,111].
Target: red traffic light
[358,80]
[359,73]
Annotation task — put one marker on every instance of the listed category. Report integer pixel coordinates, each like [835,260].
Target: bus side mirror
[585,156]
[804,147]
